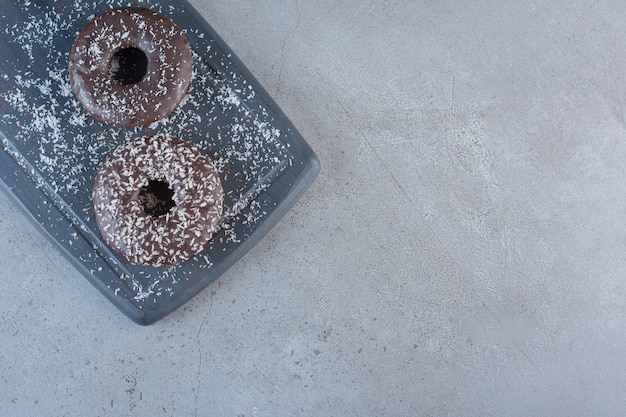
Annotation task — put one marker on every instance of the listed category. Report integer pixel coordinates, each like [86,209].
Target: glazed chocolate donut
[157,200]
[130,66]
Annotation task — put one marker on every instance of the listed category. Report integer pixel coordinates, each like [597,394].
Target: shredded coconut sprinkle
[59,146]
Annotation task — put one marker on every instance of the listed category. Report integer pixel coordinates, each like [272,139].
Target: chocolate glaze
[166,239]
[159,91]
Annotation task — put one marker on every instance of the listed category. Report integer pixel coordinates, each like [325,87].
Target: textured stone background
[461,252]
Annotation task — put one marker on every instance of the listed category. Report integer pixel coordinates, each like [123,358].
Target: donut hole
[156,198]
[128,65]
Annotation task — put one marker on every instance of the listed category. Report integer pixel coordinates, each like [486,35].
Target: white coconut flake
[60,146]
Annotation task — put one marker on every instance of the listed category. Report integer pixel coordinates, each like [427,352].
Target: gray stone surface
[461,253]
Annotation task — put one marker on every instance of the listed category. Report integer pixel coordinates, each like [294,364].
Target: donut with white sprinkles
[157,200]
[130,66]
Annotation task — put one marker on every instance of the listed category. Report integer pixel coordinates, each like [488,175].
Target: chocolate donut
[157,200]
[130,66]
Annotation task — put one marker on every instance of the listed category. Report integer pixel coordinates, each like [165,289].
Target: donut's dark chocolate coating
[170,238]
[158,93]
